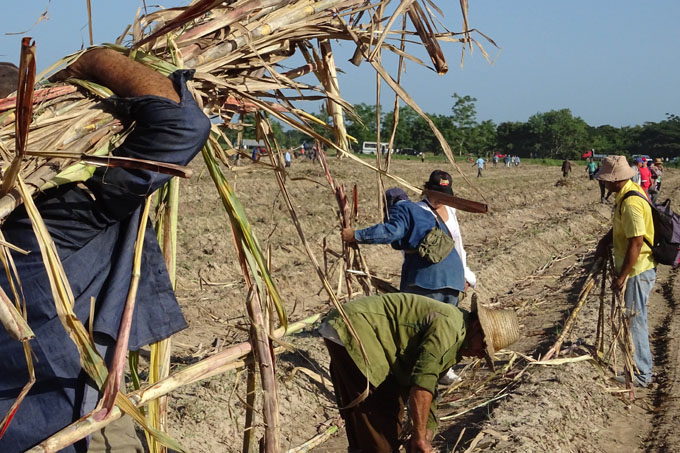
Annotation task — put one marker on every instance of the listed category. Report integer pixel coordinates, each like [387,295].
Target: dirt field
[531,252]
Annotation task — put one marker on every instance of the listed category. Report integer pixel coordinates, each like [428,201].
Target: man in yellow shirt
[632,232]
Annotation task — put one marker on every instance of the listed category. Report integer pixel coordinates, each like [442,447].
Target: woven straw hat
[615,168]
[500,327]
[658,160]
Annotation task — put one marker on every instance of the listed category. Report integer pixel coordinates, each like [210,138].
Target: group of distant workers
[647,173]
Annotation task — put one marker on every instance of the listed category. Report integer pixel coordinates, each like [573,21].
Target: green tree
[363,127]
[660,139]
[464,119]
[404,136]
[483,139]
[514,138]
[558,135]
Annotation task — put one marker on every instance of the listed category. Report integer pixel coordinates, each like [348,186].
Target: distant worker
[657,174]
[632,232]
[495,160]
[480,166]
[636,172]
[516,161]
[286,158]
[566,168]
[645,174]
[506,160]
[409,341]
[422,157]
[591,168]
[256,154]
[603,188]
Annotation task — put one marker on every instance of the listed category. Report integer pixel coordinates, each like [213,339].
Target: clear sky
[609,61]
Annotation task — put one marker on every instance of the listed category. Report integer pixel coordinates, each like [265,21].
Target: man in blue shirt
[480,166]
[406,226]
[94,226]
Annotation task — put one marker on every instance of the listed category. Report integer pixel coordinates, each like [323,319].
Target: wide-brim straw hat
[500,327]
[615,168]
[658,160]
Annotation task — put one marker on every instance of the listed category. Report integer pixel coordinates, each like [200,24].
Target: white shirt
[454,229]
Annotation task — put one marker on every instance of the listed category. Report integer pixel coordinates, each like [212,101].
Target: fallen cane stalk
[315,441]
[583,296]
[211,366]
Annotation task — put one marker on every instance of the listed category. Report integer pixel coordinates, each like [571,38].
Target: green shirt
[414,338]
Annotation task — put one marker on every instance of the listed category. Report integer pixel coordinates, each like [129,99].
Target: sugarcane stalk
[398,89]
[300,12]
[599,335]
[24,112]
[395,109]
[211,366]
[259,337]
[159,364]
[315,441]
[251,388]
[112,384]
[583,296]
[13,322]
[331,85]
[625,341]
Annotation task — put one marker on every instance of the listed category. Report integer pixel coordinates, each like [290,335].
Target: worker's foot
[601,199]
[449,378]
[621,379]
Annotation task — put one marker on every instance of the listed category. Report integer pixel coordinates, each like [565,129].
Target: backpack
[666,247]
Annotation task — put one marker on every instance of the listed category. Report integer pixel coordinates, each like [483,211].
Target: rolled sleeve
[164,131]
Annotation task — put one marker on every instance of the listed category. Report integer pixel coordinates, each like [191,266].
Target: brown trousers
[375,424]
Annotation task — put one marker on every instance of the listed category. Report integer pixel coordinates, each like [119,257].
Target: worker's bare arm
[120,74]
[419,403]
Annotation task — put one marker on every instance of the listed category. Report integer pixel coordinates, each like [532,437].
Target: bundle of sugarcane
[236,48]
[59,132]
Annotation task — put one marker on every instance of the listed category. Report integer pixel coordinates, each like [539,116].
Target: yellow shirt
[633,219]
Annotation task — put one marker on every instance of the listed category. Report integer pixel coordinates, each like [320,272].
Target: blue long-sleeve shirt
[94,231]
[407,226]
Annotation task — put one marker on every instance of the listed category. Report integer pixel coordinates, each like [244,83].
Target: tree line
[556,134]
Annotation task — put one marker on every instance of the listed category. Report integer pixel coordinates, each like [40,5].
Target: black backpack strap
[630,193]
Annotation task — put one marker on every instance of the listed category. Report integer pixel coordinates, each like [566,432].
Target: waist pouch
[435,246]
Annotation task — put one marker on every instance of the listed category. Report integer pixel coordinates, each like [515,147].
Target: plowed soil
[531,252]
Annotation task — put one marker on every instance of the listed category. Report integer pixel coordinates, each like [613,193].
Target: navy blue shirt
[407,225]
[94,228]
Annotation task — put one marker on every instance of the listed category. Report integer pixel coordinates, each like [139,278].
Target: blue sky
[609,61]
